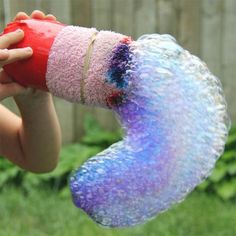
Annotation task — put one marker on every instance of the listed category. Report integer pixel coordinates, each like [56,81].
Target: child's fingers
[37,15]
[50,17]
[4,78]
[21,16]
[16,55]
[10,89]
[4,54]
[11,38]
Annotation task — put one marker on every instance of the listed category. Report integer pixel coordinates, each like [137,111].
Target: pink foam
[66,63]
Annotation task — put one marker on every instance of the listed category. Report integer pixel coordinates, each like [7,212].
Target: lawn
[45,213]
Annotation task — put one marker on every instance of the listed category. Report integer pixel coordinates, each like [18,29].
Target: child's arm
[32,142]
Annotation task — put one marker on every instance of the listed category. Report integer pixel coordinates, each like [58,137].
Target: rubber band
[86,65]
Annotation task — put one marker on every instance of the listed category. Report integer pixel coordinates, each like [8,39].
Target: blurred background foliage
[221,182]
[41,205]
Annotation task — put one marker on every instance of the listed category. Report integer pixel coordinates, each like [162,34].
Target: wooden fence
[207,28]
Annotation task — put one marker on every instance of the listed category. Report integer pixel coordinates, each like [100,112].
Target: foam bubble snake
[170,106]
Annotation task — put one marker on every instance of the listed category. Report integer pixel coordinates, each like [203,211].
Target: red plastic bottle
[39,35]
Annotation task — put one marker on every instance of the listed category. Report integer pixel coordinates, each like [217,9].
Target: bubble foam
[176,123]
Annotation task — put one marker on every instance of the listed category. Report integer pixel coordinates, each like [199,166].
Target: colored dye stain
[117,72]
[115,99]
[119,64]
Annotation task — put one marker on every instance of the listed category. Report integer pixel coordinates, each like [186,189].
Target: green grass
[45,213]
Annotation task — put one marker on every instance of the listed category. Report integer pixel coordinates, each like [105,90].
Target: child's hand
[34,94]
[7,86]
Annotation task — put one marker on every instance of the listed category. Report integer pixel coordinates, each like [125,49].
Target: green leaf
[31,181]
[229,155]
[218,173]
[65,192]
[233,129]
[5,164]
[8,175]
[231,140]
[232,168]
[3,179]
[204,185]
[226,190]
